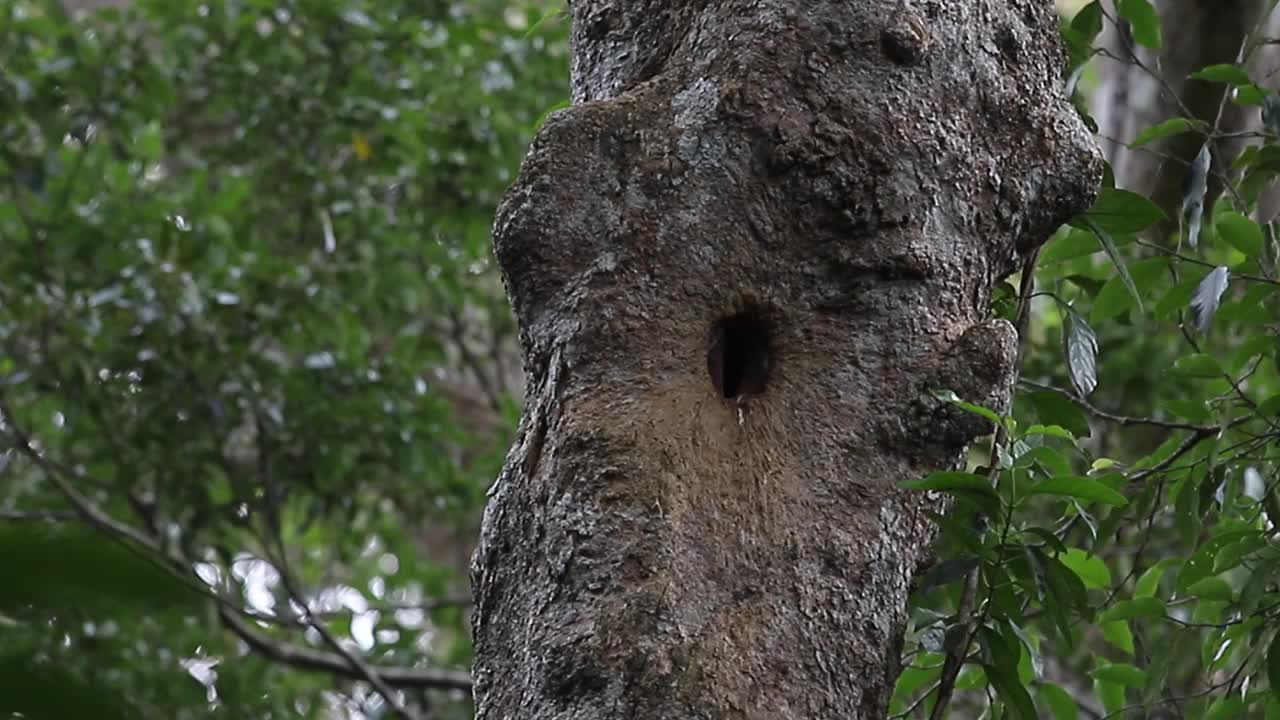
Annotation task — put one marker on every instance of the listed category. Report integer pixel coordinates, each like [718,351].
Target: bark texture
[843,180]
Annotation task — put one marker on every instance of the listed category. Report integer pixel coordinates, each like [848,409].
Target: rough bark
[845,179]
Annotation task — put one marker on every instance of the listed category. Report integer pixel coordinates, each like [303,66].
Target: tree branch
[300,657]
[352,659]
[304,658]
[1118,419]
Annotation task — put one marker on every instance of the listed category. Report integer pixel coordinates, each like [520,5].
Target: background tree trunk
[1132,97]
[740,261]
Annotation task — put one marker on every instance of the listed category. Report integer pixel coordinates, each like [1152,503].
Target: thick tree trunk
[763,232]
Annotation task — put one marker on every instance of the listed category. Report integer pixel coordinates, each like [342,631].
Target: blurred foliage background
[1113,553]
[248,317]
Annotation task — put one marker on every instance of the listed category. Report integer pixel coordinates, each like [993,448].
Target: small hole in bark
[738,357]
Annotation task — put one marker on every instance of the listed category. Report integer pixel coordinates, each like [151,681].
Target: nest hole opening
[738,358]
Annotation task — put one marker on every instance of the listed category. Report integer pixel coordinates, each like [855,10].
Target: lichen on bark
[855,176]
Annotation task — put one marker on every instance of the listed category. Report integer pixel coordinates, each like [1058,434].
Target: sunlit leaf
[1138,607]
[1159,131]
[1149,581]
[1224,73]
[1242,233]
[1117,633]
[1060,702]
[1120,211]
[1091,569]
[1144,21]
[1121,674]
[1212,588]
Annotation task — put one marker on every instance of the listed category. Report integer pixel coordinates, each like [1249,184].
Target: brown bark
[805,202]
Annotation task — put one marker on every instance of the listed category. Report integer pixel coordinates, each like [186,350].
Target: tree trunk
[740,261]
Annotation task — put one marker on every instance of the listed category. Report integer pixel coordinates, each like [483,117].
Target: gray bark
[846,179]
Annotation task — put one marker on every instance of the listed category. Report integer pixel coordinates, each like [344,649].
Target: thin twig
[366,672]
[1117,419]
[304,658]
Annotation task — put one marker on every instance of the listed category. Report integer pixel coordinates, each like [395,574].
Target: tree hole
[738,357]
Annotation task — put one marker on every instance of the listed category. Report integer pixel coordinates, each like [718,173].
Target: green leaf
[1069,245]
[1242,233]
[1120,211]
[150,142]
[1005,651]
[1065,585]
[1118,261]
[1270,407]
[1223,73]
[1088,20]
[1248,350]
[1111,694]
[1051,430]
[1091,569]
[1226,708]
[972,487]
[1144,21]
[1119,635]
[1234,553]
[1122,292]
[1014,695]
[1052,408]
[1179,296]
[950,397]
[1149,581]
[1045,459]
[1200,564]
[1082,488]
[1273,665]
[914,678]
[1250,95]
[1121,674]
[1197,365]
[75,568]
[1168,128]
[1060,702]
[1135,608]
[47,691]
[1048,538]
[1212,588]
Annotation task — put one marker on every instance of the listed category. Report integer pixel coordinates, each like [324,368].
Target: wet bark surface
[740,261]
